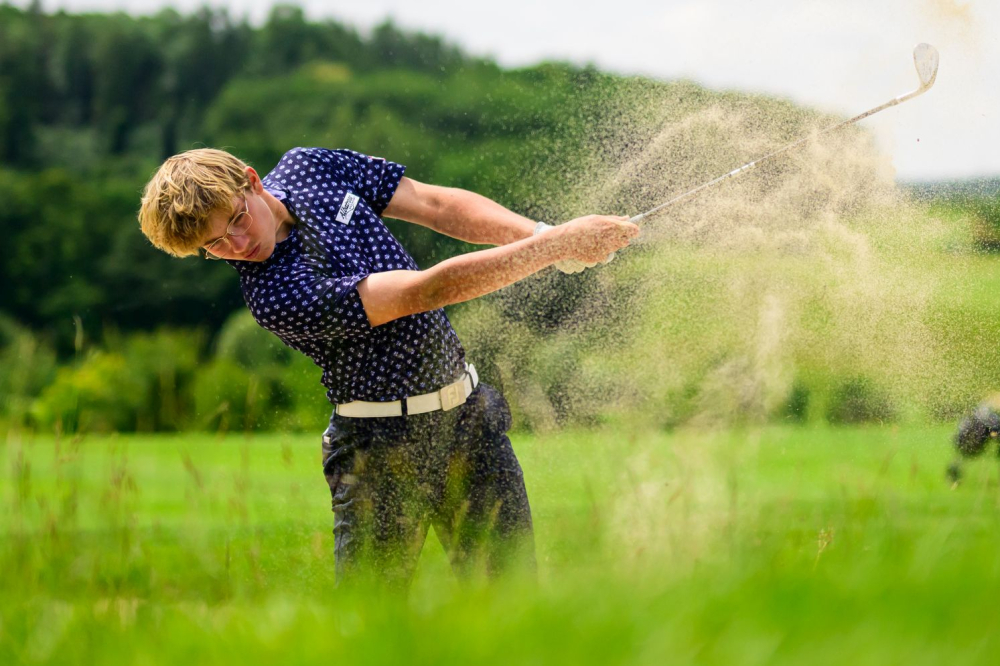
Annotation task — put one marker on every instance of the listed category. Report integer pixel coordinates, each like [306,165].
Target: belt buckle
[453,395]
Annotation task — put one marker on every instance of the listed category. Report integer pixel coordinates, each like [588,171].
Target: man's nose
[240,243]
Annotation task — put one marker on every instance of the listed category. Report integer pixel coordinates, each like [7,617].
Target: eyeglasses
[237,227]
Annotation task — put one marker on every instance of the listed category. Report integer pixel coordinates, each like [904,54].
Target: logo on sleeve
[347,208]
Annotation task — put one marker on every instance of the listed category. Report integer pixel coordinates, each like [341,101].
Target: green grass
[775,545]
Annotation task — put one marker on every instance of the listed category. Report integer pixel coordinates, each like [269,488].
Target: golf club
[925,58]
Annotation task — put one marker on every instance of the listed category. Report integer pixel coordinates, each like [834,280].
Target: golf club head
[926,59]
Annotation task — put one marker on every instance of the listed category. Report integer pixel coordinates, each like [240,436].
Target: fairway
[775,545]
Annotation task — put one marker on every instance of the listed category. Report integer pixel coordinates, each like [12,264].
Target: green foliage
[289,380]
[27,365]
[74,249]
[140,383]
[245,343]
[797,404]
[974,204]
[167,361]
[100,394]
[65,70]
[301,396]
[858,400]
[227,397]
[162,381]
[985,215]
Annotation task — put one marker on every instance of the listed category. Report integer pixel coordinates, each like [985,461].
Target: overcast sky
[844,56]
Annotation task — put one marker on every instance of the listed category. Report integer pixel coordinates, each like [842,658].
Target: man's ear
[255,182]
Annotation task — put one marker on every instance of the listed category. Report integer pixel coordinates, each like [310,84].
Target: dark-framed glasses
[237,227]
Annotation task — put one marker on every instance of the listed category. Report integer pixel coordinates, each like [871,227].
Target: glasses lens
[215,249]
[241,224]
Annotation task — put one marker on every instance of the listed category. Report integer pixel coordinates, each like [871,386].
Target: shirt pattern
[305,292]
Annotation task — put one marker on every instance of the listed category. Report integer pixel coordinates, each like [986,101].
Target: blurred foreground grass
[775,545]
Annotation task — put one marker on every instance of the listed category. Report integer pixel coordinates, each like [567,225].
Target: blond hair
[183,194]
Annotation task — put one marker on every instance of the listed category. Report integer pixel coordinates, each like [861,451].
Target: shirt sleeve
[350,315]
[312,305]
[374,179]
[341,314]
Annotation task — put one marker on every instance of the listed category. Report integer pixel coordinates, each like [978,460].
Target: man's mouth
[252,254]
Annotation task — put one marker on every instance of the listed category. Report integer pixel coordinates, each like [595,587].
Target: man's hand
[568,266]
[591,240]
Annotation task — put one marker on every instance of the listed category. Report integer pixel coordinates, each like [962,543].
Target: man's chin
[264,253]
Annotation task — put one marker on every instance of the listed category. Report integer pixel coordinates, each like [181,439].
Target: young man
[414,440]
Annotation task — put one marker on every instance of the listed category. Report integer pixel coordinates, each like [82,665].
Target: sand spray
[811,280]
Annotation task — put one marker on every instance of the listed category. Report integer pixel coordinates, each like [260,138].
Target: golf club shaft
[781,151]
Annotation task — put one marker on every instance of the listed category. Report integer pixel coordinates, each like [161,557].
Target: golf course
[726,290]
[762,545]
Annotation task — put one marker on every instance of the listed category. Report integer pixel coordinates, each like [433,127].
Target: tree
[125,91]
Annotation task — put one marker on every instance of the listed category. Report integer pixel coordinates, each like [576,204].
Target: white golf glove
[570,266]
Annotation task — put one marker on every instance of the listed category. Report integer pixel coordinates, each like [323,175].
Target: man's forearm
[457,213]
[476,219]
[393,294]
[475,274]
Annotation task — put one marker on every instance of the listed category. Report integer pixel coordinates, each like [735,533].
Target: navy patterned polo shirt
[305,293]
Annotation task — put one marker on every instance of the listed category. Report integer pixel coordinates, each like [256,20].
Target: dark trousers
[392,478]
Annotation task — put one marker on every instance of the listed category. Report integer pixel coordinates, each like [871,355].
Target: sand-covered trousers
[392,478]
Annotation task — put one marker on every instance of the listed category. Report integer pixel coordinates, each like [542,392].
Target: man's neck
[282,215]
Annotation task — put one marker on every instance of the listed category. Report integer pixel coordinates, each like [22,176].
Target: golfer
[415,440]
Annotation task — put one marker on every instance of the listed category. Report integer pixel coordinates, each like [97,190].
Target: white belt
[449,397]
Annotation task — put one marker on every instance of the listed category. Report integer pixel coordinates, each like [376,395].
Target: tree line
[117,74]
